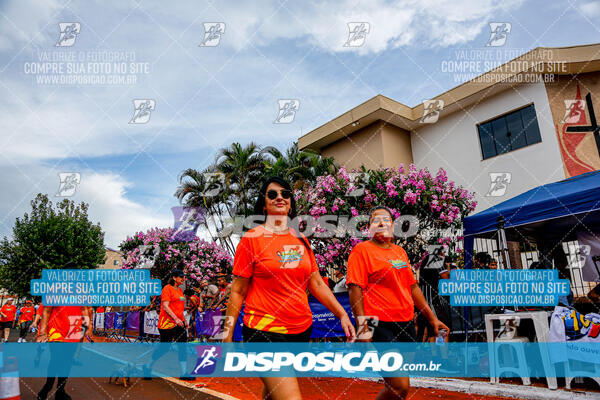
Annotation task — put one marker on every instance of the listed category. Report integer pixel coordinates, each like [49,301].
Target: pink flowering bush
[198,258]
[437,203]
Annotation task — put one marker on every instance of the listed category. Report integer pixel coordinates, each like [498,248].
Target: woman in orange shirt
[273,267]
[172,325]
[382,286]
[25,318]
[61,324]
[7,318]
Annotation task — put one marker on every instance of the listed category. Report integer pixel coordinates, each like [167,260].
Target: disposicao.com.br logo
[370,361]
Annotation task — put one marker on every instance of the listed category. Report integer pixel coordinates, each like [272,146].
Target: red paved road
[100,389]
[330,389]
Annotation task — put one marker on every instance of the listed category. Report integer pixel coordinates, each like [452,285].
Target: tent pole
[502,244]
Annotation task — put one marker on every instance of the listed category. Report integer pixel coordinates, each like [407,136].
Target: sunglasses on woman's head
[272,194]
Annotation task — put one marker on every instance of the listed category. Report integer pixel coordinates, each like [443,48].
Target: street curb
[501,389]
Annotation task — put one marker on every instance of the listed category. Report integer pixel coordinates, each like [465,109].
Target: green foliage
[59,237]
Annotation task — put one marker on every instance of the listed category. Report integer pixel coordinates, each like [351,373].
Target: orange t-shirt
[26,314]
[174,296]
[385,277]
[65,324]
[9,311]
[194,301]
[279,268]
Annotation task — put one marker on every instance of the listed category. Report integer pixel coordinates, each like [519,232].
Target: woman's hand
[437,325]
[348,328]
[42,338]
[179,322]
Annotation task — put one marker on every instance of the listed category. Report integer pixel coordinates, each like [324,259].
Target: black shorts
[400,331]
[6,325]
[177,334]
[254,335]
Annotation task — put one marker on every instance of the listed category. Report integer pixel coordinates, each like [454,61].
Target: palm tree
[297,166]
[242,167]
[205,189]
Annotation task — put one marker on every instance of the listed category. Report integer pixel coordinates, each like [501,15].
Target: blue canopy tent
[552,212]
[548,215]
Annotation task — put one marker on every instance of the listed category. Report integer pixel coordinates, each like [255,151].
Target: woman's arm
[43,334]
[321,291]
[424,308]
[358,309]
[36,321]
[239,290]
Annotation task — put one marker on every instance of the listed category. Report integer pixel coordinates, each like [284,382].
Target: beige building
[528,118]
[514,118]
[114,259]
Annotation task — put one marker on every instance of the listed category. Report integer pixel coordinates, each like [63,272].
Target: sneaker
[43,394]
[19,340]
[24,341]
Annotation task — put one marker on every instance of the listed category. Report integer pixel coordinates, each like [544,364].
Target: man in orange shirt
[382,286]
[7,318]
[25,318]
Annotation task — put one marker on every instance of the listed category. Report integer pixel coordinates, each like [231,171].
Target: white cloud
[591,9]
[105,193]
[430,23]
[119,216]
[22,21]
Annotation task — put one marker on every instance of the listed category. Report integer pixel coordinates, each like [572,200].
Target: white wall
[453,144]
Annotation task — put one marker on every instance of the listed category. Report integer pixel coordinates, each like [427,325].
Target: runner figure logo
[287,110]
[579,256]
[358,180]
[68,183]
[147,256]
[431,111]
[186,222]
[142,108]
[366,325]
[357,33]
[222,326]
[214,183]
[499,184]
[212,34]
[207,359]
[499,33]
[68,33]
[291,256]
[574,110]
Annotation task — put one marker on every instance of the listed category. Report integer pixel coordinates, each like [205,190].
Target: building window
[509,132]
[116,262]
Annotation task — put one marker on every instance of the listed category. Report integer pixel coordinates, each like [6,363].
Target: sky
[67,107]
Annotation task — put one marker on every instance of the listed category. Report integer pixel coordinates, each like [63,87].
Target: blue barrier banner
[295,359]
[119,320]
[325,324]
[133,321]
[109,320]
